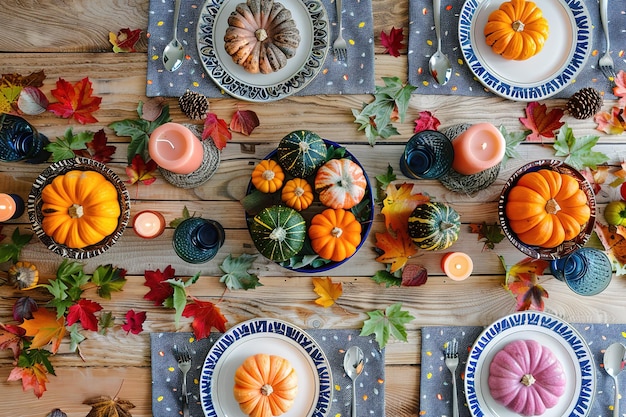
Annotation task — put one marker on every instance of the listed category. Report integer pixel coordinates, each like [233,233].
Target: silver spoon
[174,53]
[613,365]
[353,365]
[439,64]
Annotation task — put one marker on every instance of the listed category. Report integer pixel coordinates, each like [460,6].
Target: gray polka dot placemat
[436,382]
[167,378]
[334,78]
[423,43]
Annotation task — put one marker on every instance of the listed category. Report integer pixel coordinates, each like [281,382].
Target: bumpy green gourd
[301,152]
[434,226]
[278,232]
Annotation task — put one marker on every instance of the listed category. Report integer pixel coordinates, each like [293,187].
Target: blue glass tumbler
[427,155]
[587,271]
[19,140]
[197,240]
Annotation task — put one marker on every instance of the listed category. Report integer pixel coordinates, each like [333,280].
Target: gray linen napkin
[334,78]
[422,44]
[167,379]
[435,384]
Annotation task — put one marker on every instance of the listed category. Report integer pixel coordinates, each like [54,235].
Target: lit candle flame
[483,146]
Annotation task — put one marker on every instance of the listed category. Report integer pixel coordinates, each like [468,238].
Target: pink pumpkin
[341,183]
[526,377]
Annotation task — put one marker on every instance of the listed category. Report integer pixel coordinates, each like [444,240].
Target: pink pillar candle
[11,206]
[175,148]
[477,149]
[457,265]
[148,224]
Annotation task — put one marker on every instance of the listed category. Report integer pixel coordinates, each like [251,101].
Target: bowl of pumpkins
[309,204]
[547,209]
[78,208]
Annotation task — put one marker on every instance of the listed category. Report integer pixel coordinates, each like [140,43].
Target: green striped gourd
[301,152]
[278,232]
[434,226]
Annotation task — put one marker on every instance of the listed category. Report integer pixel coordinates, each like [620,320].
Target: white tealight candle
[148,224]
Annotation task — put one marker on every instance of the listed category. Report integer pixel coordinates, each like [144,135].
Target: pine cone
[585,103]
[194,105]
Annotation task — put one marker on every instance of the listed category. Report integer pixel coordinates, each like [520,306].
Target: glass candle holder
[148,224]
[587,271]
[19,140]
[427,155]
[197,240]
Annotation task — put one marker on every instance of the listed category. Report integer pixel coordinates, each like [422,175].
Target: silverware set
[183,357]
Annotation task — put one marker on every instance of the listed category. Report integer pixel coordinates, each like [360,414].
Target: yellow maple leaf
[328,291]
[398,205]
[398,249]
[45,328]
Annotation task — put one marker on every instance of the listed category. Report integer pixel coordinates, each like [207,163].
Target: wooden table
[69,39]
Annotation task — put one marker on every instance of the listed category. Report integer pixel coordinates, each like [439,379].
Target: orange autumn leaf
[328,291]
[45,328]
[397,249]
[75,100]
[528,266]
[614,241]
[34,377]
[398,205]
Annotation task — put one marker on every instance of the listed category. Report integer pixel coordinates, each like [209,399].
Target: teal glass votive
[427,155]
[197,240]
[587,271]
[20,141]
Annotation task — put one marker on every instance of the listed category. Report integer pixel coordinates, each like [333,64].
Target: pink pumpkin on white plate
[526,377]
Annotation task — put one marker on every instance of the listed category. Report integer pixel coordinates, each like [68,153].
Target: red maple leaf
[75,101]
[134,322]
[34,377]
[125,40]
[141,171]
[244,121]
[84,311]
[393,41]
[97,148]
[216,129]
[426,121]
[541,122]
[11,338]
[159,290]
[205,316]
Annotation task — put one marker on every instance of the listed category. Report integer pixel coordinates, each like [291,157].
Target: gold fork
[452,361]
[183,357]
[606,62]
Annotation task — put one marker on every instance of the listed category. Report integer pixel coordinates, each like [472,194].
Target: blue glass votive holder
[19,140]
[197,240]
[427,155]
[587,271]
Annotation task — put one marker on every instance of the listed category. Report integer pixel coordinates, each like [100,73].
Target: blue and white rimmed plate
[555,334]
[563,56]
[312,22]
[274,337]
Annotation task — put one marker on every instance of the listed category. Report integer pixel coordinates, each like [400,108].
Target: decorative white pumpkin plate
[560,337]
[312,22]
[269,336]
[563,56]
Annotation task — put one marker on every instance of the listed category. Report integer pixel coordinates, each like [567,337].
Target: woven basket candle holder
[210,163]
[455,181]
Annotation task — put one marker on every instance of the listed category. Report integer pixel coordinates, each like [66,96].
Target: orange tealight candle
[148,224]
[176,148]
[457,265]
[477,149]
[11,206]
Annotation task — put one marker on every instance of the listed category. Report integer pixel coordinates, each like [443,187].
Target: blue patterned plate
[312,22]
[270,336]
[555,334]
[556,66]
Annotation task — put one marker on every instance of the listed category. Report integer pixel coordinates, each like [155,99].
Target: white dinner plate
[312,22]
[275,337]
[560,337]
[563,56]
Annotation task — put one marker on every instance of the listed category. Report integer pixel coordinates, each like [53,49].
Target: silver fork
[452,361]
[606,62]
[183,357]
[340,47]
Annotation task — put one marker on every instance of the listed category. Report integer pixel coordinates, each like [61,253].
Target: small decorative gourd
[265,385]
[517,30]
[546,208]
[268,176]
[526,377]
[434,226]
[23,275]
[278,232]
[80,208]
[261,36]
[297,194]
[301,152]
[340,183]
[335,234]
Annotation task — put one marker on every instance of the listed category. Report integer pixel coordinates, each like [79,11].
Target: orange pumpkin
[340,183]
[297,194]
[335,234]
[517,30]
[267,176]
[265,385]
[545,208]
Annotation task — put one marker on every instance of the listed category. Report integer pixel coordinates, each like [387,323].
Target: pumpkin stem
[267,390]
[518,26]
[298,192]
[260,34]
[304,147]
[336,232]
[278,234]
[552,207]
[76,211]
[445,226]
[268,175]
[528,380]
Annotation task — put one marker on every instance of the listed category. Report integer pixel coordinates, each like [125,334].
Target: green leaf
[389,323]
[382,182]
[108,279]
[11,251]
[76,337]
[174,223]
[385,277]
[64,147]
[236,275]
[578,151]
[512,139]
[178,301]
[105,322]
